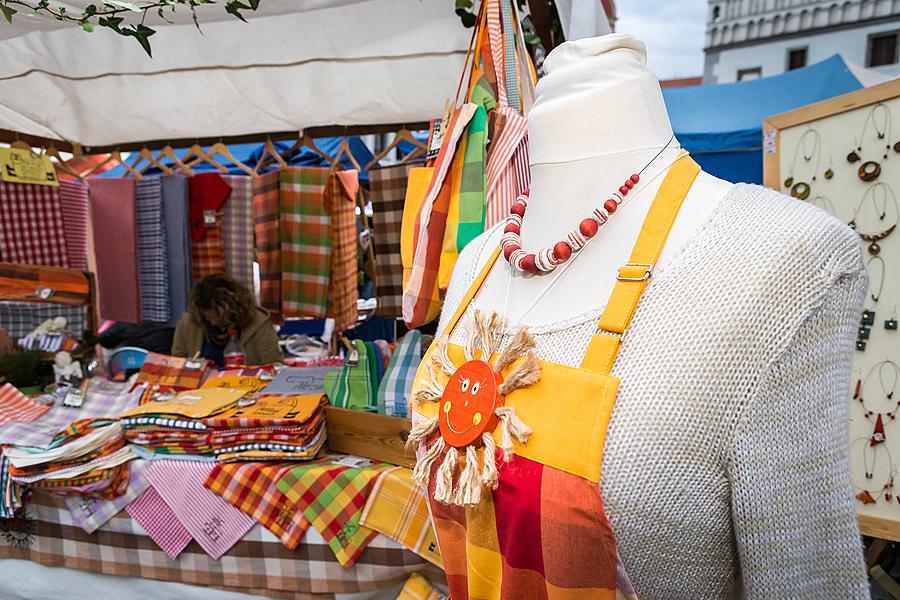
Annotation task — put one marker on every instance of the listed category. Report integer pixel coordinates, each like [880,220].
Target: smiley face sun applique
[471,407]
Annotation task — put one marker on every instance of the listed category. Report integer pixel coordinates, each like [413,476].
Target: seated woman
[219,303]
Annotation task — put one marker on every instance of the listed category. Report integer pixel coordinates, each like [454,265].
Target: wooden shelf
[370,435]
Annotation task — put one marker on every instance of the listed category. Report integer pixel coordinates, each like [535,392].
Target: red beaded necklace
[546,260]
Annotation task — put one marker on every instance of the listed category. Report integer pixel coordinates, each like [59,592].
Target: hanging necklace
[884,368]
[874,238]
[875,295]
[870,170]
[546,260]
[865,495]
[810,142]
[824,203]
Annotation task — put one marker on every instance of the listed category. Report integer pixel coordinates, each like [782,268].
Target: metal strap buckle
[645,277]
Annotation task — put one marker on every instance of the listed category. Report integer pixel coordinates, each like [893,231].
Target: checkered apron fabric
[31,225]
[340,203]
[170,371]
[73,201]
[178,243]
[152,255]
[332,498]
[21,318]
[398,508]
[114,228]
[16,406]
[266,227]
[237,229]
[305,242]
[395,389]
[93,513]
[208,255]
[250,487]
[259,564]
[388,185]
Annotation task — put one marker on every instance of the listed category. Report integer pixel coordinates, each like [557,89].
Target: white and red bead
[547,259]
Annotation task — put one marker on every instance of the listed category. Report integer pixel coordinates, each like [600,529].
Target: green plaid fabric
[473,178]
[332,498]
[305,242]
[396,385]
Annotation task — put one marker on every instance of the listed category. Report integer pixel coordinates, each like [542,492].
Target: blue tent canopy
[249,155]
[721,124]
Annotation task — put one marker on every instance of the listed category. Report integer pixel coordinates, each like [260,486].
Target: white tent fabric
[296,64]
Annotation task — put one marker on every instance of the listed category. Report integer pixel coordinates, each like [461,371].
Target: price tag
[44,293]
[246,401]
[74,398]
[209,218]
[266,376]
[354,462]
[193,364]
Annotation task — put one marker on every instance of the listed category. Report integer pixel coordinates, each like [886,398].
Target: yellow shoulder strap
[473,289]
[634,275]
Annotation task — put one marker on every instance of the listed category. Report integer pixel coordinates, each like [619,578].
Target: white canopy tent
[297,64]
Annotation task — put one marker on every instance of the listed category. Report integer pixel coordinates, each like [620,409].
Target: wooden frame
[813,112]
[877,527]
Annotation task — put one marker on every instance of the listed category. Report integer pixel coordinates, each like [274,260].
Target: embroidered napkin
[160,522]
[93,513]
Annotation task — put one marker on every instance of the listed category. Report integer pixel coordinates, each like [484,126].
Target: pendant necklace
[546,260]
[824,203]
[885,369]
[874,191]
[870,170]
[871,496]
[811,143]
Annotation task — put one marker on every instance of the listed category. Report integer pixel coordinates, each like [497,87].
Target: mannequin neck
[598,99]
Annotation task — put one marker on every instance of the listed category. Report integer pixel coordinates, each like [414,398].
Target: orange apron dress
[542,532]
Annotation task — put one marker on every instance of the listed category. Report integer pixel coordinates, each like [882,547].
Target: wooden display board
[810,149]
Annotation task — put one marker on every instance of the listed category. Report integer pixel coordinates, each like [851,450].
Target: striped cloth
[160,523]
[237,229]
[396,386]
[178,244]
[340,203]
[11,493]
[31,225]
[152,255]
[332,498]
[419,588]
[305,242]
[21,318]
[16,406]
[213,522]
[250,487]
[73,201]
[398,508]
[114,228]
[92,513]
[388,185]
[266,228]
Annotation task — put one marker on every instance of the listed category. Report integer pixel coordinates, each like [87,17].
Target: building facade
[747,39]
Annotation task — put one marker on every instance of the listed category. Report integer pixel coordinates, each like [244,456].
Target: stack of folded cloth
[269,428]
[87,459]
[164,376]
[176,426]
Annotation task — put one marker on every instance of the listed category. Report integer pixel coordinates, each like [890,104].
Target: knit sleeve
[791,494]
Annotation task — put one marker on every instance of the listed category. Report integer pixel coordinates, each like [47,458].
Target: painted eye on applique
[465,385]
[475,388]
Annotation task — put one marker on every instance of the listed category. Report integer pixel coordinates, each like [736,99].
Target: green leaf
[87,26]
[464,4]
[90,10]
[111,22]
[196,20]
[254,4]
[141,33]
[126,5]
[8,12]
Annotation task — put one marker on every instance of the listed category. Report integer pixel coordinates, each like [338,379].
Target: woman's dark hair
[224,296]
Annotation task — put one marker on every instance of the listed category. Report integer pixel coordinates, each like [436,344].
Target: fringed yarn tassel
[429,392]
[420,432]
[511,426]
[490,327]
[521,343]
[489,475]
[441,356]
[468,492]
[422,473]
[526,373]
[443,488]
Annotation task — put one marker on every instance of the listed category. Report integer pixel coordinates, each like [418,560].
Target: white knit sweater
[725,469]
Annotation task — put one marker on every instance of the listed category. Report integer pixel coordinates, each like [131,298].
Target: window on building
[717,12]
[747,74]
[796,58]
[882,49]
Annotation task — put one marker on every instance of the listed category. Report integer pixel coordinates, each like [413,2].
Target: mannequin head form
[598,98]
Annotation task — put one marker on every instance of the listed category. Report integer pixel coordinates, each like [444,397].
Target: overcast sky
[673,31]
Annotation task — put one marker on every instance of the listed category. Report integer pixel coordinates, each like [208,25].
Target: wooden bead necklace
[546,260]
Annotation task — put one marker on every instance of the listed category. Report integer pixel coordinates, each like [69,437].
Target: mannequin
[725,470]
[599,116]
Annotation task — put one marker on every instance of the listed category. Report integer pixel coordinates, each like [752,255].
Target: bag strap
[634,275]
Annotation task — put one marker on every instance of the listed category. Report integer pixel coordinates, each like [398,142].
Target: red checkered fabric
[31,225]
[16,406]
[208,255]
[73,200]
